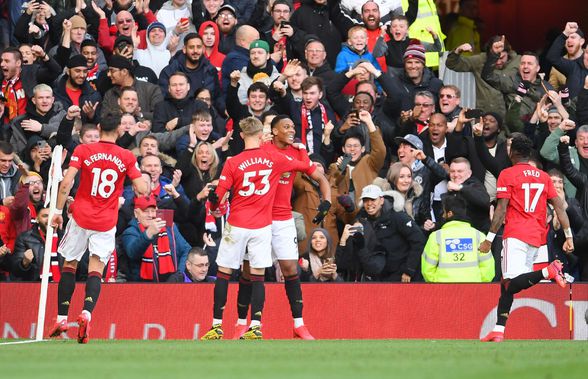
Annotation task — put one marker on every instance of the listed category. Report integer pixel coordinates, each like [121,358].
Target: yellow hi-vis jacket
[451,255]
[426,17]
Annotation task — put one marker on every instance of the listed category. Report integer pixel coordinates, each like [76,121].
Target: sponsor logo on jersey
[459,245]
[500,189]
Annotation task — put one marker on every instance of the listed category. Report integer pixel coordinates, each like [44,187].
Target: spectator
[362,168]
[243,8]
[226,20]
[74,89]
[28,198]
[120,71]
[488,98]
[29,250]
[549,148]
[201,130]
[313,17]
[525,83]
[155,248]
[198,69]
[449,99]
[174,15]
[211,38]
[259,69]
[196,269]
[238,57]
[575,69]
[354,49]
[416,120]
[290,39]
[384,240]
[178,106]
[399,180]
[18,81]
[218,120]
[415,78]
[41,119]
[205,10]
[451,254]
[160,46]
[200,166]
[89,49]
[318,264]
[33,25]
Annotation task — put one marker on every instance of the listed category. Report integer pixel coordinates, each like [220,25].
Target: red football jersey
[103,167]
[527,189]
[253,176]
[282,209]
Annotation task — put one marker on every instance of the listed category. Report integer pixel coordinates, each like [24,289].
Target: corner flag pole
[55,177]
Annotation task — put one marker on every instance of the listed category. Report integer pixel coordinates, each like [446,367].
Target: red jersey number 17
[528,188]
[103,182]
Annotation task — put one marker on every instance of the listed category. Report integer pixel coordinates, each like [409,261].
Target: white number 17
[538,187]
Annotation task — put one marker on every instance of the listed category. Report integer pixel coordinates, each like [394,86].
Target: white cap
[371,191]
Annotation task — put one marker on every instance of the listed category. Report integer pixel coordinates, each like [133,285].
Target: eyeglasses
[423,105]
[126,21]
[356,146]
[278,11]
[226,15]
[34,182]
[315,51]
[444,95]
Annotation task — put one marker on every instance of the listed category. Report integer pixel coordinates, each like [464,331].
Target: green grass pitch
[358,359]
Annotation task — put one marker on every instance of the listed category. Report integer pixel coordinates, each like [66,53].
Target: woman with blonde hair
[200,166]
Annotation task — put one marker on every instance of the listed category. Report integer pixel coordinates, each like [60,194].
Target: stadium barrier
[331,311]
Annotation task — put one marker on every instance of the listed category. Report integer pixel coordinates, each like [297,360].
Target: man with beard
[198,69]
[574,67]
[74,89]
[282,32]
[449,99]
[259,69]
[28,198]
[226,20]
[177,108]
[42,118]
[121,72]
[29,251]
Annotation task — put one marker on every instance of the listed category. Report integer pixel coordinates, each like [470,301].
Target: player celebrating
[523,192]
[103,167]
[253,177]
[284,246]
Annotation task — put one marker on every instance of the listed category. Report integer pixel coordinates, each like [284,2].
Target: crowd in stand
[412,172]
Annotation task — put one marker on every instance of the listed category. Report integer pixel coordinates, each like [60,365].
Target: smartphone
[354,113]
[284,23]
[345,161]
[474,113]
[184,20]
[41,144]
[166,215]
[330,260]
[356,229]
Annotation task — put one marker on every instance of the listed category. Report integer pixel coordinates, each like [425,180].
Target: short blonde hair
[355,29]
[251,126]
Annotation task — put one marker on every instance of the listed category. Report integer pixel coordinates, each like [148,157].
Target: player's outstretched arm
[558,206]
[140,186]
[497,221]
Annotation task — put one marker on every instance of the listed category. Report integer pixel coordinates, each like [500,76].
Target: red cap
[145,202]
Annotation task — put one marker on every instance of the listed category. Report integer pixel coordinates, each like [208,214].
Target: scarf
[283,41]
[54,270]
[307,127]
[16,99]
[157,258]
[257,73]
[112,268]
[93,75]
[210,220]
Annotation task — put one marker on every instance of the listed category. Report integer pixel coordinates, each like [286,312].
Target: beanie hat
[496,116]
[77,61]
[259,44]
[78,22]
[121,38]
[315,157]
[155,24]
[415,50]
[117,61]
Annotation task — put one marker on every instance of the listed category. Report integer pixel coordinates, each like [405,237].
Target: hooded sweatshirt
[215,57]
[154,57]
[169,15]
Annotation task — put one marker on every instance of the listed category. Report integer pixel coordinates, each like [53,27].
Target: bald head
[245,35]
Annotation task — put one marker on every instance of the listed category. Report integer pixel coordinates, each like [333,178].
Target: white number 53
[249,185]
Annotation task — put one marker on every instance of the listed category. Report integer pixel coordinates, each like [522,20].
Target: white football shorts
[236,240]
[77,240]
[517,257]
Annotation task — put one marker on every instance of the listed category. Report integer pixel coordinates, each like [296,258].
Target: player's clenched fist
[485,246]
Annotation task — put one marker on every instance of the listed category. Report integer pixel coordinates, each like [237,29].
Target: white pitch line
[21,342]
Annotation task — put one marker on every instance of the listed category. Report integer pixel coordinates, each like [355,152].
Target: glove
[346,202]
[523,87]
[323,209]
